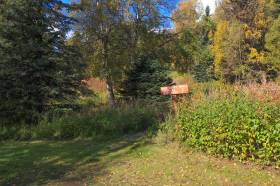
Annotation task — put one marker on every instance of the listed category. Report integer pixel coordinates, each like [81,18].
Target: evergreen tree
[144,80]
[37,68]
[207,11]
[203,68]
[203,71]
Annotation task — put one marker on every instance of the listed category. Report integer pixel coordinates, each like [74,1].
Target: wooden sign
[174,90]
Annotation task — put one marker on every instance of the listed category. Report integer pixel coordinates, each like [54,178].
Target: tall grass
[267,93]
[105,121]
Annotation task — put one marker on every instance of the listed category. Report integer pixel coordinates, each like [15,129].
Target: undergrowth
[230,123]
[103,122]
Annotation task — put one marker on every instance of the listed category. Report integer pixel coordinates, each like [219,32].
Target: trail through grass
[127,161]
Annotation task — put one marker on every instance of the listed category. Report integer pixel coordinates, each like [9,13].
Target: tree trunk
[109,83]
[110,92]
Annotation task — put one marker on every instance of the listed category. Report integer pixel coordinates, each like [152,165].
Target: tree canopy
[37,68]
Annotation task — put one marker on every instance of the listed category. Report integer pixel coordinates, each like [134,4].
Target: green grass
[130,160]
[42,162]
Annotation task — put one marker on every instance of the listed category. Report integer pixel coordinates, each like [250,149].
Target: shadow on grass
[41,162]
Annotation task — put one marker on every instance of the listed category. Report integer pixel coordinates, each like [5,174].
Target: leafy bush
[235,127]
[104,122]
[165,132]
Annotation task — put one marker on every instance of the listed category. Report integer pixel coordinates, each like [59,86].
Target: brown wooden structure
[175,91]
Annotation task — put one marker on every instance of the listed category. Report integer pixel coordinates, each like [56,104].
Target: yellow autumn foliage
[253,34]
[185,16]
[217,48]
[255,31]
[256,57]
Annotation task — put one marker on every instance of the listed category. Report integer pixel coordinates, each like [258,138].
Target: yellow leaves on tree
[255,57]
[255,34]
[185,16]
[259,24]
[234,49]
[251,33]
[217,47]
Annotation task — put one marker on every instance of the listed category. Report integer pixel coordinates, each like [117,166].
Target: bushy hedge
[104,122]
[235,127]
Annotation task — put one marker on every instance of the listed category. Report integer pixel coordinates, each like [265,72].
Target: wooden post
[174,102]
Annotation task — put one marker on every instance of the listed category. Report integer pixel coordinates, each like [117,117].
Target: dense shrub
[235,127]
[104,122]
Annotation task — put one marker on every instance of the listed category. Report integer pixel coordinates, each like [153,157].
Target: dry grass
[268,93]
[181,78]
[95,84]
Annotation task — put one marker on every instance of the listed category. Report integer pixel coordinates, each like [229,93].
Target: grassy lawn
[127,161]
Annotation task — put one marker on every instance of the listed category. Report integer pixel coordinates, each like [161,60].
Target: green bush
[235,127]
[104,122]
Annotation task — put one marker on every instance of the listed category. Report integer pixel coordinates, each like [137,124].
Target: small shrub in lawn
[236,127]
[166,131]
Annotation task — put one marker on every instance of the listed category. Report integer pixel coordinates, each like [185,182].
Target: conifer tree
[203,69]
[144,80]
[37,68]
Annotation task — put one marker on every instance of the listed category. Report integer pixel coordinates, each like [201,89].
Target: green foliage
[37,68]
[104,122]
[144,80]
[115,33]
[203,71]
[187,48]
[272,40]
[272,8]
[234,127]
[192,48]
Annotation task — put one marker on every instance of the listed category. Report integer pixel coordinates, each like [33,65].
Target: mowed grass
[132,160]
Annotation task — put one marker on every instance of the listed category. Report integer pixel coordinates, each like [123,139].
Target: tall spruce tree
[37,68]
[203,69]
[144,80]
